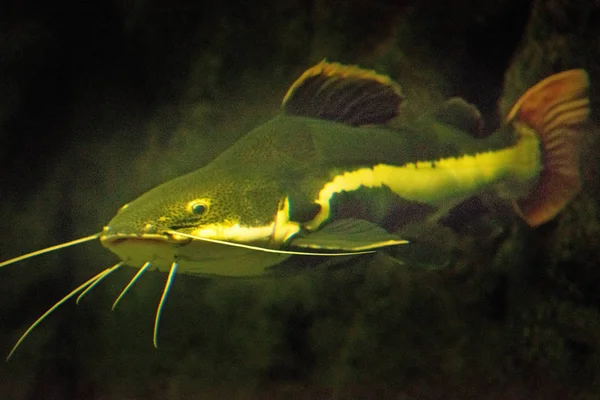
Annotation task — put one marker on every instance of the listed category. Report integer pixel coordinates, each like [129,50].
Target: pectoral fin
[347,235]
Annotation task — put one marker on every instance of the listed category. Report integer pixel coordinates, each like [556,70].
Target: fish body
[333,172]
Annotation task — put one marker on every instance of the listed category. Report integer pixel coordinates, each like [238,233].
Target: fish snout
[125,230]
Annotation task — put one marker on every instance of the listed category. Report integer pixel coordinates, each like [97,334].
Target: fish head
[185,220]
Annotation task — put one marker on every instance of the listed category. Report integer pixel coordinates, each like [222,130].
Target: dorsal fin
[343,93]
[460,114]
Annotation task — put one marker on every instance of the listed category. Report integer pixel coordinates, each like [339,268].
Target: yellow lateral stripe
[439,182]
[276,232]
[235,232]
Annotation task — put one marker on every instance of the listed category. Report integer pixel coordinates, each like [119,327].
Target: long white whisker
[51,248]
[296,253]
[162,302]
[59,303]
[97,281]
[130,284]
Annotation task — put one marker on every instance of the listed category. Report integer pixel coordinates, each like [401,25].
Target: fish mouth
[111,240]
[136,249]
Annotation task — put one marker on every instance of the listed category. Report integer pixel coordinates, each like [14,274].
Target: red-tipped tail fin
[553,108]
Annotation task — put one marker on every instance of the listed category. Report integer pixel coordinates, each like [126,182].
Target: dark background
[101,101]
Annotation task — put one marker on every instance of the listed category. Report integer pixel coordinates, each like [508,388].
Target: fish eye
[198,207]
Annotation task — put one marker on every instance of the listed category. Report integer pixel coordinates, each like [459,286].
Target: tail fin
[553,108]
